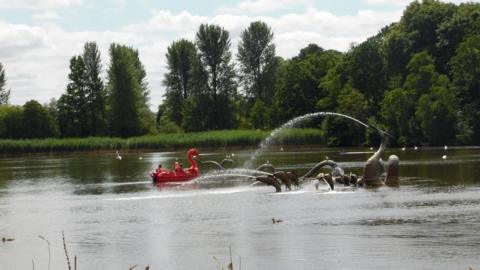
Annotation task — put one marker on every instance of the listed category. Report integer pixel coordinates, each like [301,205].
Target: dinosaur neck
[381,149]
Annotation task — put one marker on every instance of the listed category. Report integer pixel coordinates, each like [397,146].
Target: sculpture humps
[376,173]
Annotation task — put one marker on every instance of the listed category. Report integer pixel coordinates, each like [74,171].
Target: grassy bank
[225,138]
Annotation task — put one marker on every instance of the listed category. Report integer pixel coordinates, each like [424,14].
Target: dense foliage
[419,79]
[4,93]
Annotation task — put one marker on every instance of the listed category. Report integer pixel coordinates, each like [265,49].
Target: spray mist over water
[240,173]
[290,124]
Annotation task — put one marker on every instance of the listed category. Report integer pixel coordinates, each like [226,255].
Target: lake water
[114,217]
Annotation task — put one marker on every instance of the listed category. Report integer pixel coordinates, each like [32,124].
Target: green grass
[224,138]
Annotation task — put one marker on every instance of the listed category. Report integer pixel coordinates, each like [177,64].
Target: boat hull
[173,177]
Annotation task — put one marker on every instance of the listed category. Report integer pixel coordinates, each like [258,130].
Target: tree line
[418,78]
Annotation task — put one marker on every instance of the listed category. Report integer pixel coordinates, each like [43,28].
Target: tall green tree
[396,47]
[341,132]
[124,91]
[256,56]
[72,105]
[298,86]
[421,74]
[465,72]
[436,113]
[366,68]
[179,80]
[94,90]
[421,21]
[147,117]
[37,122]
[453,30]
[11,121]
[213,43]
[397,113]
[127,93]
[4,93]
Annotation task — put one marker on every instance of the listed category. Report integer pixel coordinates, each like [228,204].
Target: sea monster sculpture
[327,178]
[392,177]
[284,178]
[270,181]
[318,166]
[375,167]
[268,166]
[294,178]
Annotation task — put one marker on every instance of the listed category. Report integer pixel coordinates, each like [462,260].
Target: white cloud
[36,4]
[46,16]
[258,6]
[36,58]
[388,2]
[403,3]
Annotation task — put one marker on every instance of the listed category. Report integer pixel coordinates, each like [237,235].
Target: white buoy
[140,158]
[118,156]
[403,148]
[416,148]
[445,147]
[444,157]
[281,148]
[371,148]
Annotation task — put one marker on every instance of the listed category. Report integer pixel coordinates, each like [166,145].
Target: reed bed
[213,139]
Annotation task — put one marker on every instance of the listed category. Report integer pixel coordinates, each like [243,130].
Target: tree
[195,116]
[366,68]
[124,92]
[298,86]
[11,121]
[147,117]
[256,56]
[259,115]
[396,47]
[37,121]
[213,43]
[421,21]
[94,90]
[465,72]
[397,113]
[181,58]
[453,30]
[4,93]
[72,105]
[436,112]
[341,132]
[421,74]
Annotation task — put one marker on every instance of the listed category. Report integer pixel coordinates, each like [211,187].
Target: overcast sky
[38,37]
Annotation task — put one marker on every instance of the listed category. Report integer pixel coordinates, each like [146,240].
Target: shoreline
[231,139]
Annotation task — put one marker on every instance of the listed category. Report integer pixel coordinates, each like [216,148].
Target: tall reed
[223,138]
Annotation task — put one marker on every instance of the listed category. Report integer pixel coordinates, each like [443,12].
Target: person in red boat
[159,169]
[178,174]
[178,168]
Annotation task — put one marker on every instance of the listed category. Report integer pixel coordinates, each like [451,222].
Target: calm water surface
[114,218]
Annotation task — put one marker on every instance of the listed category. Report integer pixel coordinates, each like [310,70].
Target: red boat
[179,174]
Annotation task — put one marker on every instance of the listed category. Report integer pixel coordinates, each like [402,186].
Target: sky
[38,37]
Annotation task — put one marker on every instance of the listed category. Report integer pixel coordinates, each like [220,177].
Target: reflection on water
[114,217]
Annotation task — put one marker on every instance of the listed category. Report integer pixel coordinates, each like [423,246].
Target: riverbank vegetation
[418,79]
[162,142]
